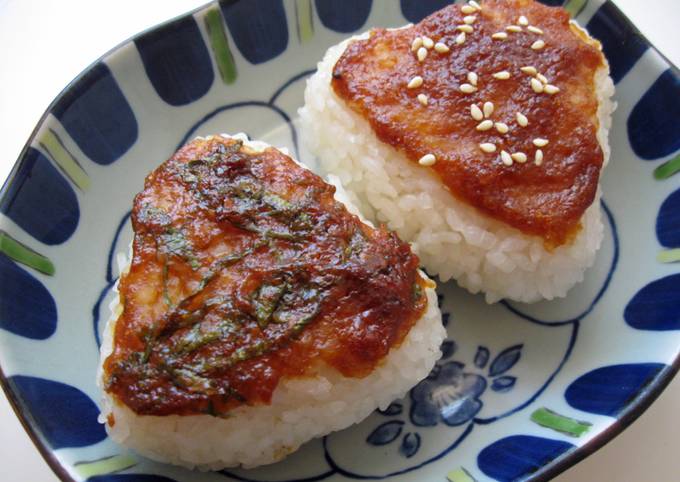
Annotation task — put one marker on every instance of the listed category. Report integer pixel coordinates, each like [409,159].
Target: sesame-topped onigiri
[478,135]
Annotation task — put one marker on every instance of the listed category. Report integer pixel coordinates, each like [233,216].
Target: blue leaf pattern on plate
[515,457]
[446,317]
[481,357]
[395,408]
[259,28]
[622,45]
[177,61]
[410,444]
[385,433]
[505,360]
[452,396]
[40,200]
[668,220]
[503,384]
[65,415]
[97,116]
[345,17]
[448,348]
[26,307]
[653,126]
[656,306]
[608,390]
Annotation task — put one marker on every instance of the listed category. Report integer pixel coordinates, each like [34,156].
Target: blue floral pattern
[449,395]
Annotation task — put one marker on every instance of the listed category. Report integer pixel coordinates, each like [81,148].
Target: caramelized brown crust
[245,270]
[547,200]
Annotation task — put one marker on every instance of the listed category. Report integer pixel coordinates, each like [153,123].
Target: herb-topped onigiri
[256,312]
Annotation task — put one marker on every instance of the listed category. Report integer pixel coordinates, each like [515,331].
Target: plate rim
[642,401]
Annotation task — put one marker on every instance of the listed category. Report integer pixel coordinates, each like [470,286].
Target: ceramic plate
[532,388]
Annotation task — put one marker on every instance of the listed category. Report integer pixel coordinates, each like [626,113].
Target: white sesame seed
[488,147]
[422,54]
[542,78]
[466,9]
[501,127]
[502,75]
[529,70]
[538,45]
[505,157]
[416,44]
[519,157]
[536,85]
[428,43]
[533,29]
[465,28]
[538,157]
[488,108]
[470,19]
[415,82]
[422,98]
[484,125]
[441,47]
[476,112]
[427,160]
[499,36]
[467,88]
[551,89]
[523,21]
[472,78]
[540,142]
[513,28]
[522,119]
[460,39]
[474,5]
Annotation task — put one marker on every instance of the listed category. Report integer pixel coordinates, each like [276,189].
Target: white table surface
[45,44]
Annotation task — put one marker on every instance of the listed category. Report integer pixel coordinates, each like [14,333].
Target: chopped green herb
[224,153]
[180,317]
[305,320]
[191,381]
[242,354]
[149,338]
[302,222]
[297,308]
[276,202]
[173,241]
[149,214]
[279,235]
[266,300]
[201,334]
[166,295]
[194,163]
[259,348]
